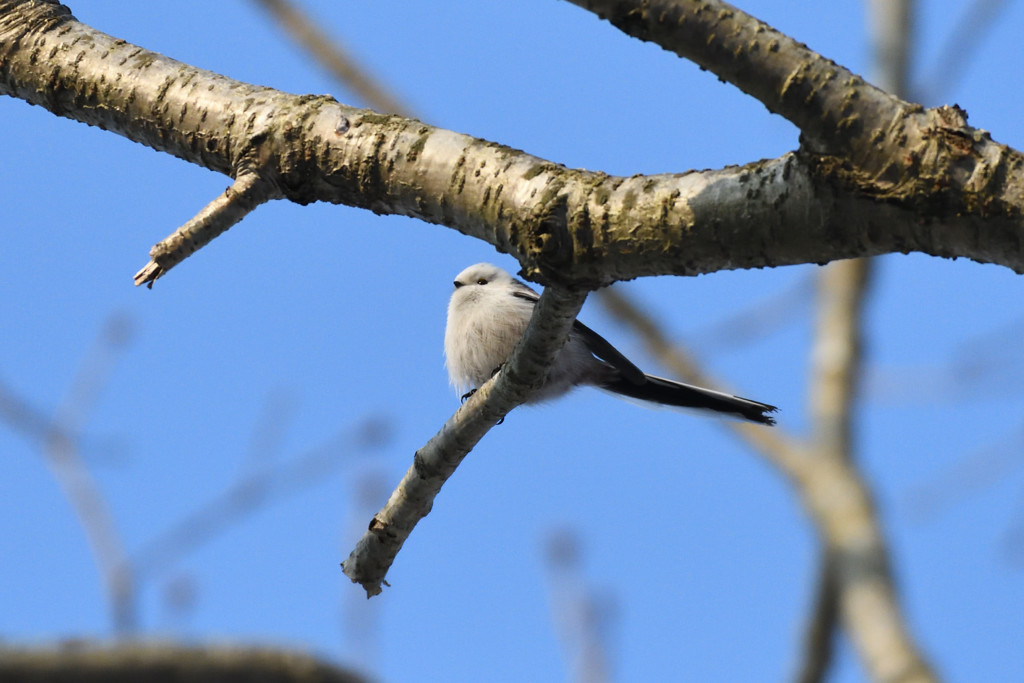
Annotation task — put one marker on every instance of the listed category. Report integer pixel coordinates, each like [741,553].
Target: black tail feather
[670,393]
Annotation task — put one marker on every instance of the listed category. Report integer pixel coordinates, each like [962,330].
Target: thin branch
[436,461]
[59,438]
[756,320]
[249,190]
[21,416]
[821,629]
[836,356]
[329,53]
[781,449]
[837,495]
[956,53]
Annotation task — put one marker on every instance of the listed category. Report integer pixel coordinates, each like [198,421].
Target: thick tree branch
[906,179]
[414,496]
[165,664]
[836,111]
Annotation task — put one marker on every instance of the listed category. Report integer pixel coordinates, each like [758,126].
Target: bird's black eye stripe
[482,281]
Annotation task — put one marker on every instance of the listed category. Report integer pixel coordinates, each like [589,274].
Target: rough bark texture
[877,174]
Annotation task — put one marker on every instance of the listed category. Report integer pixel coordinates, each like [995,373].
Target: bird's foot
[469,393]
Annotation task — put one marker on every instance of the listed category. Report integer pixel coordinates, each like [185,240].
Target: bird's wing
[602,348]
[595,343]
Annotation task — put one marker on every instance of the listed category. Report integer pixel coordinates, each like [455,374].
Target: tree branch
[247,192]
[820,631]
[165,664]
[435,462]
[907,179]
[836,111]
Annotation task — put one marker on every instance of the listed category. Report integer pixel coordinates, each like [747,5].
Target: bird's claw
[469,393]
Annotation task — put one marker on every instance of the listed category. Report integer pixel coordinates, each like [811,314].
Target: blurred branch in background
[582,617]
[329,53]
[981,469]
[258,485]
[987,366]
[820,630]
[775,444]
[59,438]
[253,491]
[957,52]
[752,324]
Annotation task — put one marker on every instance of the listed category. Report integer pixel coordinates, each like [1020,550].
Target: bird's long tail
[670,393]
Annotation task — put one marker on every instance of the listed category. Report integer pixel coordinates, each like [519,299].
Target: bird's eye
[457,284]
[482,281]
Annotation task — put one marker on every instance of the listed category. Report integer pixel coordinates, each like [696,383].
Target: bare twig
[249,190]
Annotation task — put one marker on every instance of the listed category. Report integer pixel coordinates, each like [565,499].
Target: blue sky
[331,316]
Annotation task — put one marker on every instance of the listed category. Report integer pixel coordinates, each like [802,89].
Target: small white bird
[488,313]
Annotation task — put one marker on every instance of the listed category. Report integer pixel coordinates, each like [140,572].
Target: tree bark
[876,174]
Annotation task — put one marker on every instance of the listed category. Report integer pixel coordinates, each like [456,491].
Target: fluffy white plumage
[487,315]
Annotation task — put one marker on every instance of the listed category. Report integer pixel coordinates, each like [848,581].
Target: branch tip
[149,274]
[248,191]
